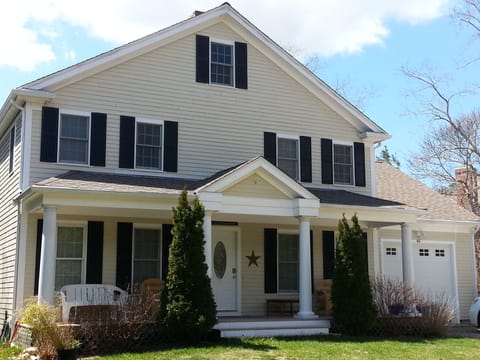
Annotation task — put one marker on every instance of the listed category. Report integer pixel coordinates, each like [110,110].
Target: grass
[7,352]
[323,347]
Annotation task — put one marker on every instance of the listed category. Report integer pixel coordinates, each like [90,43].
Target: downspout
[373,172]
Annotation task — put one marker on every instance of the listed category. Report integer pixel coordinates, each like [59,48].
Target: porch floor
[236,327]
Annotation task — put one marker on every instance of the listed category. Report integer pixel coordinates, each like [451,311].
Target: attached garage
[433,262]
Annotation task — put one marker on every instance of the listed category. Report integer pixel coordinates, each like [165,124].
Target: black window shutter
[38,251]
[49,137]
[124,255]
[328,254]
[167,238]
[98,136]
[270,147]
[305,159]
[170,153]
[94,252]
[127,142]
[203,59]
[359,156]
[241,76]
[327,161]
[270,253]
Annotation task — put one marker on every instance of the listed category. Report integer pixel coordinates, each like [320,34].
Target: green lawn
[325,347]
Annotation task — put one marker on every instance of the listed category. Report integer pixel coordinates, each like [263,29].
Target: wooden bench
[76,295]
[282,306]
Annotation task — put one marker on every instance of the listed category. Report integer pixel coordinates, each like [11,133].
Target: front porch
[266,236]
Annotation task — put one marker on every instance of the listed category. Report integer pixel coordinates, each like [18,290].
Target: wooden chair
[323,292]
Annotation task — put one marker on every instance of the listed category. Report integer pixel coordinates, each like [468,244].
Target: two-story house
[93,158]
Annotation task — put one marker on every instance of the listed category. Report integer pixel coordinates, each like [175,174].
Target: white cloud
[320,27]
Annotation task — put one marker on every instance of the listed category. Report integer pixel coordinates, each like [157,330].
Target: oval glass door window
[219,260]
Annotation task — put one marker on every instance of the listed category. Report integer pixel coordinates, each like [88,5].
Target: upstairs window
[288,156]
[73,139]
[221,64]
[343,164]
[292,154]
[149,145]
[11,150]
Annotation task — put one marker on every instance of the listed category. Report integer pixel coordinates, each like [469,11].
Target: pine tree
[187,310]
[353,309]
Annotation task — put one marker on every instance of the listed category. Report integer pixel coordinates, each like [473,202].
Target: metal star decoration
[252,259]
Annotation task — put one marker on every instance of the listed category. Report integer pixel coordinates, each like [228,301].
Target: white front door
[224,268]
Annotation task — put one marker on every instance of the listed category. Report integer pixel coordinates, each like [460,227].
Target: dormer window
[221,64]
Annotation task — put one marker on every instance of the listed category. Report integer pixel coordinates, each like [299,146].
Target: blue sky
[361,45]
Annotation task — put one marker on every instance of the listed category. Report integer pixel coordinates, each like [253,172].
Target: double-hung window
[149,144]
[74,138]
[221,64]
[146,254]
[343,164]
[70,255]
[288,156]
[288,262]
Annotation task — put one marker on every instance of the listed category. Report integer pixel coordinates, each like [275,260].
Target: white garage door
[433,266]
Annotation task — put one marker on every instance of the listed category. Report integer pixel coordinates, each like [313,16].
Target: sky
[360,47]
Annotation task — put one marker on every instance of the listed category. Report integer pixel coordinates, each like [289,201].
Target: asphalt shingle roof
[394,185]
[96,181]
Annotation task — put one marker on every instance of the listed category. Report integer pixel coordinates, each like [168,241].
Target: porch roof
[122,183]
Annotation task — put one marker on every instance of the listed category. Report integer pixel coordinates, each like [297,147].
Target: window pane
[288,156]
[69,256]
[221,67]
[73,139]
[149,146]
[147,247]
[343,164]
[68,272]
[70,242]
[288,262]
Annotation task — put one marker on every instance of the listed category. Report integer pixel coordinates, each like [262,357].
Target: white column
[46,283]
[407,256]
[305,276]
[207,231]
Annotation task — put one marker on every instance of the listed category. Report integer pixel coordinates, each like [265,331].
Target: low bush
[113,329]
[404,311]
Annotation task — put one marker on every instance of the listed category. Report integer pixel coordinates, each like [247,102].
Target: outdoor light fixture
[419,236]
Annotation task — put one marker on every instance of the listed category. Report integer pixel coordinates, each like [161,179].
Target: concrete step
[265,328]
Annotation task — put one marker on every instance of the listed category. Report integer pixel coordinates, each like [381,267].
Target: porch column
[305,276]
[48,254]
[407,256]
[207,231]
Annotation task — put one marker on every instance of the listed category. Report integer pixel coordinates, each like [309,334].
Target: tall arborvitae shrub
[187,311]
[353,309]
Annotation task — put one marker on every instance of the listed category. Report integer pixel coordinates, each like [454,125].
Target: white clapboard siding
[218,126]
[9,189]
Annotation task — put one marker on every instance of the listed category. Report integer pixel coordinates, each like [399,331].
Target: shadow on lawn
[335,338]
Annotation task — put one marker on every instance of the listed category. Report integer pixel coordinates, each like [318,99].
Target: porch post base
[305,315]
